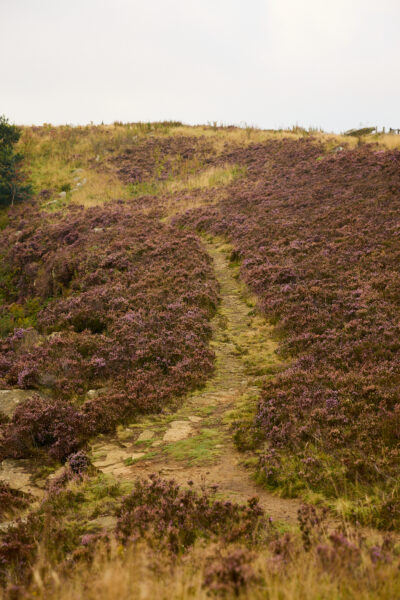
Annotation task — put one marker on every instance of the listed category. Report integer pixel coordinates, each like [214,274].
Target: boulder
[10,399]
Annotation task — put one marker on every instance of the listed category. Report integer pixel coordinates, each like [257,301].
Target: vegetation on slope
[104,313]
[318,237]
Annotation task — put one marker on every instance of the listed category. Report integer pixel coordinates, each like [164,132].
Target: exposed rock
[18,475]
[58,473]
[195,419]
[10,399]
[146,435]
[90,394]
[114,456]
[179,430]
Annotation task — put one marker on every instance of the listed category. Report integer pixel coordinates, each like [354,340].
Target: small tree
[12,187]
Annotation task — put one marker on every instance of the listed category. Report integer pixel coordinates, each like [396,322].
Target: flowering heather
[318,235]
[126,303]
[162,158]
[166,515]
[10,500]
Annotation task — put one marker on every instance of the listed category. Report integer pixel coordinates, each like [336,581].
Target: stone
[58,473]
[17,473]
[145,436]
[10,399]
[179,430]
[195,419]
[114,456]
[98,229]
[62,195]
[90,394]
[156,444]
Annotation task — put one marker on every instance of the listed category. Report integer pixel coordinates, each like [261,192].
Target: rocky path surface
[194,443]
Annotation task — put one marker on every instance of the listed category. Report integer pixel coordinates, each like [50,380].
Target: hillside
[199,365]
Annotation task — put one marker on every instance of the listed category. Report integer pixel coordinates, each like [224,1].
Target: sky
[333,64]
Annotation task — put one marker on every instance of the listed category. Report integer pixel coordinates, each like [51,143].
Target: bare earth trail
[194,443]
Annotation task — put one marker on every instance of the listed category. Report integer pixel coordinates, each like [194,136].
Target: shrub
[164,514]
[12,187]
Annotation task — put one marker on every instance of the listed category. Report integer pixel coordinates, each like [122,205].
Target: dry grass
[138,573]
[98,189]
[54,153]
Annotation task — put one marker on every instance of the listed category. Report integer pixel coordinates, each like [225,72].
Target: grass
[53,154]
[115,574]
[196,450]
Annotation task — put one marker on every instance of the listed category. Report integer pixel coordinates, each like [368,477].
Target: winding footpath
[193,445]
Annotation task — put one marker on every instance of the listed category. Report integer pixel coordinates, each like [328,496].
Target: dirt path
[194,443]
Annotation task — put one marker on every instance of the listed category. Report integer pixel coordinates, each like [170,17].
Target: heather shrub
[164,514]
[231,574]
[10,500]
[125,309]
[317,236]
[40,423]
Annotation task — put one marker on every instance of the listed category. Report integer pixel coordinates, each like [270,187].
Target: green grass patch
[199,449]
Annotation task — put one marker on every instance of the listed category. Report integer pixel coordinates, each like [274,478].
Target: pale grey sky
[271,63]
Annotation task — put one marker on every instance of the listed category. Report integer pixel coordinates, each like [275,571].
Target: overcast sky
[270,63]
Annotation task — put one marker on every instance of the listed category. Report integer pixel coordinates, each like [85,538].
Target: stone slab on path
[179,430]
[113,456]
[145,436]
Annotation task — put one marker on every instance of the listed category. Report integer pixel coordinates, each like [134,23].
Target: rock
[62,195]
[117,470]
[156,444]
[145,436]
[18,473]
[114,456]
[90,394]
[58,473]
[98,229]
[195,419]
[179,430]
[10,399]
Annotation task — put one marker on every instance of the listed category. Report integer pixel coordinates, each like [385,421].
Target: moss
[199,449]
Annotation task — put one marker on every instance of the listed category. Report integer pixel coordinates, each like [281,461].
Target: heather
[317,236]
[198,334]
[182,542]
[125,303]
[10,500]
